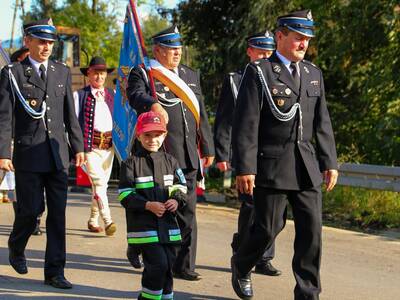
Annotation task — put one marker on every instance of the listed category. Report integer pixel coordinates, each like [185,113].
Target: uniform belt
[102,140]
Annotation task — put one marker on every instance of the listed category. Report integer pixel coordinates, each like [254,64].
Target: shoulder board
[10,65]
[310,63]
[186,67]
[232,73]
[60,63]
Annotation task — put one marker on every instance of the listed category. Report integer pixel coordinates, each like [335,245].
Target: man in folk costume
[94,108]
[259,46]
[37,112]
[179,100]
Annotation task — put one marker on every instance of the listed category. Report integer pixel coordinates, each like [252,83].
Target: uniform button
[184,109]
[47,96]
[48,120]
[48,107]
[49,131]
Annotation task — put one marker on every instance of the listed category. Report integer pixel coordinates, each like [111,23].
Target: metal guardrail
[357,175]
[370,176]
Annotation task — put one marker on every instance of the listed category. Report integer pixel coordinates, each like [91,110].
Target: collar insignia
[277,69]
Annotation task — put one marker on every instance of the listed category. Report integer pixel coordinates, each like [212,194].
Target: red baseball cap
[150,121]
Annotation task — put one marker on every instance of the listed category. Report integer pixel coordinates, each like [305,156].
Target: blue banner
[4,59]
[124,116]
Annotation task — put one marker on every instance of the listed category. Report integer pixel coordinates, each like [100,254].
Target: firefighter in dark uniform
[260,45]
[284,145]
[37,111]
[183,138]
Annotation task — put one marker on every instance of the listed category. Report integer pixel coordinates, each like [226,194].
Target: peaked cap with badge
[41,29]
[262,40]
[169,37]
[298,21]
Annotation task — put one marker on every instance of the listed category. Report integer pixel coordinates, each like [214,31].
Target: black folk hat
[41,29]
[97,63]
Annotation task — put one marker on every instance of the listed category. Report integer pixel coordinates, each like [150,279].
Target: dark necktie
[295,74]
[42,69]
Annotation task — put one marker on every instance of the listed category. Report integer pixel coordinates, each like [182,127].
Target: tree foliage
[98,22]
[357,47]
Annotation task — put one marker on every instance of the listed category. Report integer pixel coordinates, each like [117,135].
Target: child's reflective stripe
[142,237]
[168,296]
[150,294]
[125,192]
[174,235]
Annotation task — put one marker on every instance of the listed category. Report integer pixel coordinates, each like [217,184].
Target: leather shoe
[266,268]
[111,229]
[93,228]
[18,262]
[134,258]
[188,275]
[37,231]
[241,285]
[59,282]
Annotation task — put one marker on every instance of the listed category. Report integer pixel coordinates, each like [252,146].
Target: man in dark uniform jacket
[37,111]
[184,139]
[281,116]
[260,45]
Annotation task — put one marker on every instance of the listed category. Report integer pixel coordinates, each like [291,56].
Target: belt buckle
[102,140]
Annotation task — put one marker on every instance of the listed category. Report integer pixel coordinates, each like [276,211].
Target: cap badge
[288,91]
[277,69]
[267,34]
[176,30]
[309,16]
[50,22]
[280,102]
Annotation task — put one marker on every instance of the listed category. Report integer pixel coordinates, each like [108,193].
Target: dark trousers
[245,220]
[157,279]
[186,216]
[269,207]
[30,188]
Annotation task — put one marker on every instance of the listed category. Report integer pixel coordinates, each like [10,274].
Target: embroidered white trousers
[99,165]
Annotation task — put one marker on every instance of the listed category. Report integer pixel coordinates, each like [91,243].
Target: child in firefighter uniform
[151,188]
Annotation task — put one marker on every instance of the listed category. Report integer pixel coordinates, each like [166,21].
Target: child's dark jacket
[151,176]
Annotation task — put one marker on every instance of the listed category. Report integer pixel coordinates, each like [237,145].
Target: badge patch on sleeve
[180,175]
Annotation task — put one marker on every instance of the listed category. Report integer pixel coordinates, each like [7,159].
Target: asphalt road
[354,265]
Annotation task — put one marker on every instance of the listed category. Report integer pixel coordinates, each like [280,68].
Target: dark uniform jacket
[151,176]
[87,107]
[39,145]
[273,149]
[224,117]
[183,138]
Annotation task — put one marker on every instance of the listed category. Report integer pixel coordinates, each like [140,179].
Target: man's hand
[207,161]
[79,159]
[330,178]
[171,205]
[157,108]
[223,166]
[156,208]
[245,184]
[6,164]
